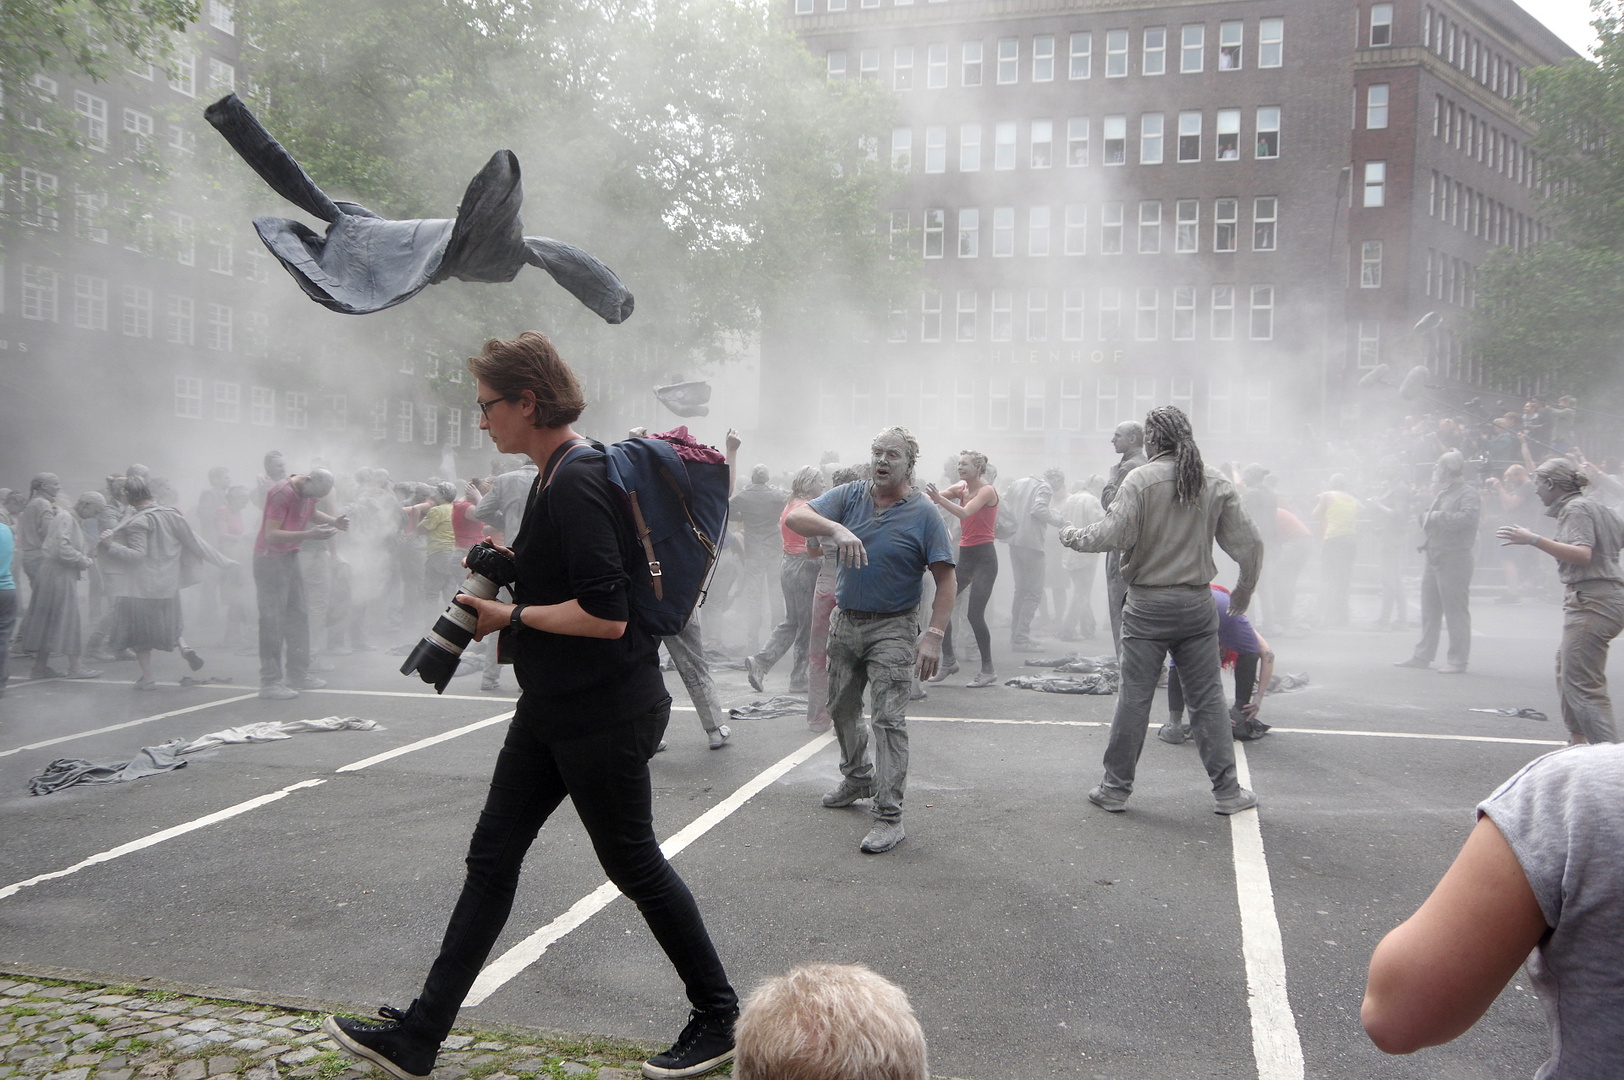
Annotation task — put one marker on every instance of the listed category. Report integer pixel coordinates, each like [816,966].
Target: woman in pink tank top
[975,503]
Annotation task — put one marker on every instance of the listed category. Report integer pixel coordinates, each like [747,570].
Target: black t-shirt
[573,546]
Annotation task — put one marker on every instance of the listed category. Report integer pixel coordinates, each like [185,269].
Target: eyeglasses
[485,406]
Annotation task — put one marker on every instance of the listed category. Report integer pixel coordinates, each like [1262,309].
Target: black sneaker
[705,1044]
[392,1044]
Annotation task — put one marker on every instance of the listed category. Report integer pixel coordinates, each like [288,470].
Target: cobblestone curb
[58,1030]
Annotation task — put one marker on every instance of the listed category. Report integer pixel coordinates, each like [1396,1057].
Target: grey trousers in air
[1181,620]
[878,653]
[1027,565]
[687,651]
[1592,617]
[1446,583]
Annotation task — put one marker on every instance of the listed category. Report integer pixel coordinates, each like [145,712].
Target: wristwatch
[516,620]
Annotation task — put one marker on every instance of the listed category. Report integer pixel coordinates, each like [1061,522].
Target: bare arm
[568,618]
[1434,976]
[733,443]
[1265,672]
[1574,554]
[928,653]
[808,522]
[987,495]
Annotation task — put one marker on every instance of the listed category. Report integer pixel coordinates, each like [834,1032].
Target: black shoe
[705,1044]
[392,1044]
[193,660]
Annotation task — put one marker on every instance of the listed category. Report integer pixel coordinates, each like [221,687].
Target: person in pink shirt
[284,618]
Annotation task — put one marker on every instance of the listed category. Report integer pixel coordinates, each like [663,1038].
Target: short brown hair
[529,362]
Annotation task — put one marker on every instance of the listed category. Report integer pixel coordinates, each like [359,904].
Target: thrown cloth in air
[366,263]
[767,708]
[685,398]
[66,772]
[1100,683]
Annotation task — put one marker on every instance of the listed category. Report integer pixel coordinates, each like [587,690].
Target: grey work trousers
[1446,584]
[877,653]
[284,620]
[1592,616]
[1116,594]
[797,578]
[1027,565]
[687,651]
[1181,620]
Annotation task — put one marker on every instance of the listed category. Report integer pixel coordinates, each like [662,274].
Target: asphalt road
[1037,936]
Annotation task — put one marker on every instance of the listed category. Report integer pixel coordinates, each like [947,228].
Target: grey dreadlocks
[1168,429]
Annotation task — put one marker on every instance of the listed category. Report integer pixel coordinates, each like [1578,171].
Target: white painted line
[1275,1044]
[160,836]
[444,736]
[1416,735]
[127,723]
[998,720]
[511,963]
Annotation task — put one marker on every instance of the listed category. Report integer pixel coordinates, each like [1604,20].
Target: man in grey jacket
[1163,521]
[1027,504]
[1450,527]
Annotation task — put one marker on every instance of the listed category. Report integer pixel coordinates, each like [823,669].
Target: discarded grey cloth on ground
[1525,713]
[66,772]
[1100,683]
[367,263]
[1055,661]
[193,680]
[1088,665]
[721,660]
[767,708]
[1285,684]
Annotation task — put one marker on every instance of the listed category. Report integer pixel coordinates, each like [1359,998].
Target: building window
[1370,343]
[1105,403]
[1037,231]
[969,233]
[1034,400]
[1146,316]
[221,17]
[220,256]
[219,337]
[1150,138]
[92,112]
[1271,35]
[969,148]
[1192,46]
[1003,231]
[1376,105]
[897,322]
[1116,54]
[1002,315]
[295,411]
[1003,145]
[1111,229]
[256,331]
[1223,312]
[222,77]
[1071,315]
[935,227]
[902,67]
[1229,45]
[259,266]
[971,66]
[1110,317]
[188,398]
[1009,61]
[183,72]
[1042,144]
[1076,239]
[965,328]
[1381,25]
[39,199]
[1262,326]
[1184,313]
[1082,49]
[185,238]
[137,317]
[1189,136]
[1370,264]
[868,63]
[930,315]
[900,227]
[137,133]
[405,422]
[180,321]
[837,65]
[1043,58]
[1150,227]
[901,149]
[936,66]
[87,216]
[89,302]
[1268,131]
[1153,60]
[1077,141]
[1229,134]
[1037,315]
[1265,214]
[1071,403]
[1225,215]
[1115,132]
[998,404]
[227,402]
[1375,183]
[261,406]
[1187,219]
[453,427]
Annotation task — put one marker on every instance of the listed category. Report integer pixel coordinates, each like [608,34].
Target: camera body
[436,657]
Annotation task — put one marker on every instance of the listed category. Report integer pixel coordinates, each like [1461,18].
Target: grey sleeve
[1550,813]
[1040,506]
[489,509]
[1117,531]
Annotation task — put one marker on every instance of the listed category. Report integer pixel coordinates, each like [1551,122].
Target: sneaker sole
[1226,811]
[349,1045]
[654,1072]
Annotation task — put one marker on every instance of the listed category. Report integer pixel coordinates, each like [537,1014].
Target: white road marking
[528,951]
[1420,735]
[127,723]
[444,736]
[160,836]
[1275,1044]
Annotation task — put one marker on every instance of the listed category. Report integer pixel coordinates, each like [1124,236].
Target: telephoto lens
[436,657]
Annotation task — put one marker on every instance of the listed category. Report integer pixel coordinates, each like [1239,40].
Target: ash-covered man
[1588,538]
[284,615]
[887,534]
[1163,521]
[1128,440]
[1450,527]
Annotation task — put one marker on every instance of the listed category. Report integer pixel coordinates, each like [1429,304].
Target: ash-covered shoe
[754,672]
[943,672]
[985,678]
[1113,799]
[278,692]
[1243,799]
[884,836]
[848,792]
[706,1043]
[1174,733]
[391,1043]
[718,738]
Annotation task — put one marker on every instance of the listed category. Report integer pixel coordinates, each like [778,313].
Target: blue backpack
[678,511]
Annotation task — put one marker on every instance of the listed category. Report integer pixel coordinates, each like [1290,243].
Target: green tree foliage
[695,149]
[1557,309]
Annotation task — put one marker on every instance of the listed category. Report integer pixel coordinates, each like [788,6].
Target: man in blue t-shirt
[887,534]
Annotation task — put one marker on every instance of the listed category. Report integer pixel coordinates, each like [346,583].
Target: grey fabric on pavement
[1286,684]
[1099,684]
[768,708]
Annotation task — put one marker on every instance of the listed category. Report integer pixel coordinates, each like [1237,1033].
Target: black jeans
[606,776]
[284,617]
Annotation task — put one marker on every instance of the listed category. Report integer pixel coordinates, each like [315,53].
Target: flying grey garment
[366,263]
